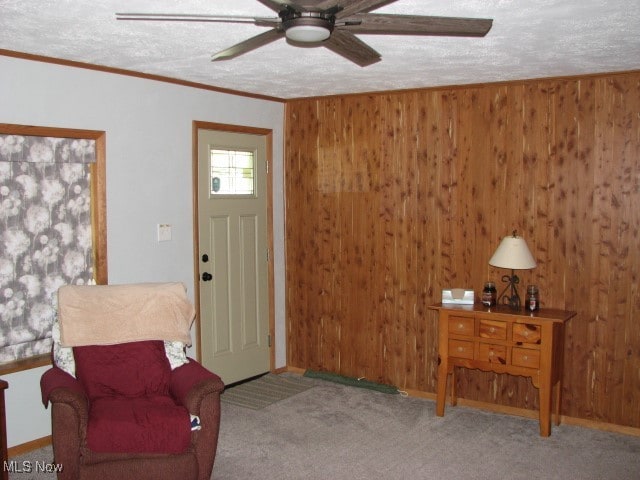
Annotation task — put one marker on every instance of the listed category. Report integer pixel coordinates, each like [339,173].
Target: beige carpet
[336,432]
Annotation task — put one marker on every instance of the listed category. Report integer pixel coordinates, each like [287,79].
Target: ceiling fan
[330,23]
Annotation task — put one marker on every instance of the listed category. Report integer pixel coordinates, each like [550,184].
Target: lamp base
[512,299]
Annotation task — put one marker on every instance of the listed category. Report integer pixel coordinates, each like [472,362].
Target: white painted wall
[148,128]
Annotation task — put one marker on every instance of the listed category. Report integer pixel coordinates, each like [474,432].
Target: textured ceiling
[529,39]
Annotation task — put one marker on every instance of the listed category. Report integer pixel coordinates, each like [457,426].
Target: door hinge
[268,255]
[269,340]
[267,163]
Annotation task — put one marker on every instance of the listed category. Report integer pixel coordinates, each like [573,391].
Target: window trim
[98,213]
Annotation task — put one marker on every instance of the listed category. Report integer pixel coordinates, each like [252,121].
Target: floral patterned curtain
[45,235]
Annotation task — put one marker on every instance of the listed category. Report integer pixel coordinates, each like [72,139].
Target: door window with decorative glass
[232,172]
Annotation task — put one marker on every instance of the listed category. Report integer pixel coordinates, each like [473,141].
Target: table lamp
[512,253]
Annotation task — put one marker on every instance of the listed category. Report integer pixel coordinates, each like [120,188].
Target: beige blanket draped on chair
[110,314]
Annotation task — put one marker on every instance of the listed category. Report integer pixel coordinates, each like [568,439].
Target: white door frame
[268,134]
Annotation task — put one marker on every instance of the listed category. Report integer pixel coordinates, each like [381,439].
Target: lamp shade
[513,253]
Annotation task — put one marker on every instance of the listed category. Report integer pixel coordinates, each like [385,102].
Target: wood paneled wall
[392,197]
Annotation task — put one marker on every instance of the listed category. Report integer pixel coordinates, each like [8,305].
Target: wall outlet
[164,232]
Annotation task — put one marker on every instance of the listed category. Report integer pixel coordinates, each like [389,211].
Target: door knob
[206,276]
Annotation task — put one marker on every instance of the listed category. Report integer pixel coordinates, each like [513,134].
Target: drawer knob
[525,333]
[460,326]
[461,349]
[525,358]
[491,354]
[492,330]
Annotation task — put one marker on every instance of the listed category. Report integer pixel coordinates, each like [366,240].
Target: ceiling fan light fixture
[307,27]
[308,33]
[311,23]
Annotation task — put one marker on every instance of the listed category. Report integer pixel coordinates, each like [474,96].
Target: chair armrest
[68,399]
[191,382]
[56,385]
[69,417]
[199,391]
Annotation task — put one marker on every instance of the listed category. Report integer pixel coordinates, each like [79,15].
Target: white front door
[232,230]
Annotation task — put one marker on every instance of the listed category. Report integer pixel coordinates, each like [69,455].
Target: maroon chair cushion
[131,409]
[132,369]
[138,425]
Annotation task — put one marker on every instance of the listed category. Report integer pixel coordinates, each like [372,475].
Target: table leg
[558,367]
[454,393]
[545,406]
[558,401]
[442,387]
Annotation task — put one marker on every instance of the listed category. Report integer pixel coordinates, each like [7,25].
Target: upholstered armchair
[131,409]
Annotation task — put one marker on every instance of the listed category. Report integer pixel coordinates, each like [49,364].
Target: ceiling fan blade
[386,24]
[248,45]
[301,5]
[179,17]
[318,5]
[360,6]
[275,5]
[352,48]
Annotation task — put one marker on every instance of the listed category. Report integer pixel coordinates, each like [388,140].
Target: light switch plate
[164,232]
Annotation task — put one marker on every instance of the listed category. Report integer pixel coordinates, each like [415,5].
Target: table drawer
[524,357]
[460,325]
[493,329]
[461,349]
[526,333]
[492,353]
